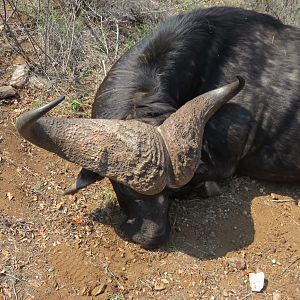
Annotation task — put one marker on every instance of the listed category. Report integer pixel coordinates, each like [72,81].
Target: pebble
[225,294]
[275,196]
[7,91]
[99,289]
[159,286]
[19,60]
[257,281]
[39,82]
[20,76]
[237,263]
[276,296]
[84,291]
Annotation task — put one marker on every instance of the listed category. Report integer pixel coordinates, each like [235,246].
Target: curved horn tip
[25,120]
[48,106]
[232,88]
[241,81]
[52,103]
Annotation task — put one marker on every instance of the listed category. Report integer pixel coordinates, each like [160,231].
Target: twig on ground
[112,275]
[146,283]
[10,161]
[14,277]
[14,289]
[283,200]
[117,40]
[104,68]
[293,262]
[294,221]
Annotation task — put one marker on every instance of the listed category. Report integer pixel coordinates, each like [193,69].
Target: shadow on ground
[208,228]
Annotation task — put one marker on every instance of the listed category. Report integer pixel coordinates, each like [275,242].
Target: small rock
[276,296]
[84,291]
[7,91]
[159,286]
[98,290]
[275,196]
[10,196]
[39,82]
[225,294]
[237,263]
[20,76]
[19,60]
[257,281]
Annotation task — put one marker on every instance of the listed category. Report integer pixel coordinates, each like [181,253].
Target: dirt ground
[67,247]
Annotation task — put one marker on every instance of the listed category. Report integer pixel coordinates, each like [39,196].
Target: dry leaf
[78,220]
[9,196]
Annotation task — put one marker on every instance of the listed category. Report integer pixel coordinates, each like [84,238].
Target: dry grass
[73,42]
[286,10]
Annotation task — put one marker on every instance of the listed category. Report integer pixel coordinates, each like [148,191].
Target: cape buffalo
[147,128]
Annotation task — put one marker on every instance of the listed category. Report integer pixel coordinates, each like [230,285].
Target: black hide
[255,134]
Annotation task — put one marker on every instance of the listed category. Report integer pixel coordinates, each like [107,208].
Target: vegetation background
[74,43]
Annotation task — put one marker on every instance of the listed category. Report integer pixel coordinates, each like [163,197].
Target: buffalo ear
[84,178]
[183,131]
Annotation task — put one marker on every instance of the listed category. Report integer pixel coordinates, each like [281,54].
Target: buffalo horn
[130,152]
[139,155]
[183,131]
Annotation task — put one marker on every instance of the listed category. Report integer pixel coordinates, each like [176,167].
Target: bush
[70,42]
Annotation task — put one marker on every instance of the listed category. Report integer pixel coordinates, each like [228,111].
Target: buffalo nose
[146,233]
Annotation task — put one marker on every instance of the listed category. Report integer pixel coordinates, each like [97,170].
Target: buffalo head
[143,162]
